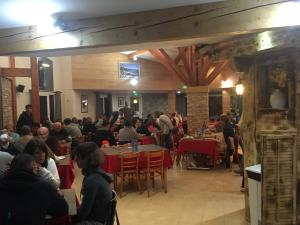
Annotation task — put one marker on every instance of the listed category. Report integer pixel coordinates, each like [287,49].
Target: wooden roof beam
[15,72]
[148,27]
[137,53]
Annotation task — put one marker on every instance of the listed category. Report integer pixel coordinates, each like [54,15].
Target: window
[45,74]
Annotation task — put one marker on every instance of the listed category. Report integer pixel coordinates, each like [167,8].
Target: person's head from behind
[43,133]
[23,162]
[127,123]
[57,126]
[28,108]
[67,121]
[75,120]
[25,130]
[88,157]
[38,149]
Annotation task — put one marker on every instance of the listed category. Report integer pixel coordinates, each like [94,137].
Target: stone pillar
[197,106]
[226,103]
[171,101]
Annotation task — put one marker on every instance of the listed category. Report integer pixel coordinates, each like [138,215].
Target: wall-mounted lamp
[239,87]
[135,101]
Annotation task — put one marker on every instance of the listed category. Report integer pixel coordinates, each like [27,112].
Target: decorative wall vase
[278,99]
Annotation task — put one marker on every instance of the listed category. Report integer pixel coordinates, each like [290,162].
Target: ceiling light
[135,57]
[127,52]
[227,84]
[133,82]
[45,65]
[34,12]
[178,92]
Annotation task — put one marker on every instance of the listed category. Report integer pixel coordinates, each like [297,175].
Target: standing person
[228,133]
[166,127]
[25,197]
[26,118]
[127,112]
[96,191]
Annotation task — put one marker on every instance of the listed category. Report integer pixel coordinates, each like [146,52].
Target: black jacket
[96,196]
[26,199]
[24,119]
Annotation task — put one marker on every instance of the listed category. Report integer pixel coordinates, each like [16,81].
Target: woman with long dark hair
[48,170]
[96,192]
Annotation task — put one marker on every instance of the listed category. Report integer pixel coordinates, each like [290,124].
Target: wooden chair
[129,167]
[155,166]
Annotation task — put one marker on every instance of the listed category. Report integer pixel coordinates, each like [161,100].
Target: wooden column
[13,91]
[35,96]
[197,106]
[171,101]
[226,102]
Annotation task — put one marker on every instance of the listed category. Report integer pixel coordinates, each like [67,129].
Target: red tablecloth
[112,163]
[198,146]
[66,175]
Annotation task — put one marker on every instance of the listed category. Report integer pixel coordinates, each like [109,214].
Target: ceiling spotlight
[135,57]
[133,82]
[45,65]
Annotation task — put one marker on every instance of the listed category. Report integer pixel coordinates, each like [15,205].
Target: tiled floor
[193,198]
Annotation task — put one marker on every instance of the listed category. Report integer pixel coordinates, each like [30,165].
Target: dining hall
[164,112]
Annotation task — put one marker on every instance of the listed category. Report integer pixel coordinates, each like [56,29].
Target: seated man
[51,142]
[5,146]
[128,133]
[25,198]
[59,132]
[26,136]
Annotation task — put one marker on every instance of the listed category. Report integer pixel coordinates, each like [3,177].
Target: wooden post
[35,96]
[13,92]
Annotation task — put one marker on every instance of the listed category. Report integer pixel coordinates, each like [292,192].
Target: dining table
[199,146]
[66,172]
[112,161]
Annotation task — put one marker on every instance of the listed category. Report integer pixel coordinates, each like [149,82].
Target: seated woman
[96,191]
[25,197]
[48,170]
[103,133]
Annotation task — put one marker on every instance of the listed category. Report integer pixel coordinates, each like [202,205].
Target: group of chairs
[130,168]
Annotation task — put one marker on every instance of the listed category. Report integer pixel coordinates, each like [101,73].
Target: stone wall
[7,109]
[197,106]
[154,102]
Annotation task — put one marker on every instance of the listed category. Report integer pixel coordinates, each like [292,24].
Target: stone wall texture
[153,102]
[7,106]
[197,109]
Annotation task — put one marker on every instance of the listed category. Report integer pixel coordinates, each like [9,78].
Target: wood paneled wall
[101,72]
